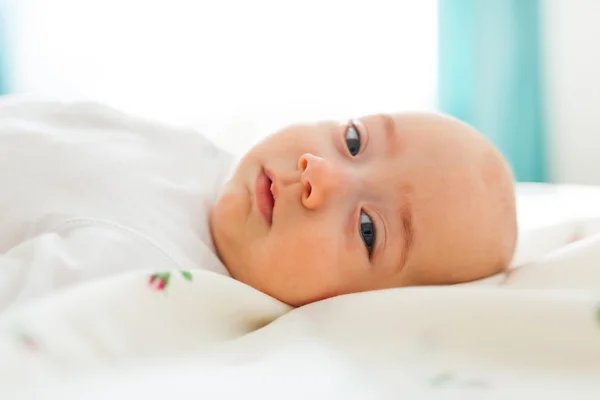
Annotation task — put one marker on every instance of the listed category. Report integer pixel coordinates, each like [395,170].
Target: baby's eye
[367,231]
[352,139]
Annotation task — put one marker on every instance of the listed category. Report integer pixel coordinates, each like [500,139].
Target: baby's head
[384,201]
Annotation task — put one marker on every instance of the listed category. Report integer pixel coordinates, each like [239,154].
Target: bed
[532,331]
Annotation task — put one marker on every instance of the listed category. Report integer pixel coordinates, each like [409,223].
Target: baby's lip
[274,190]
[265,200]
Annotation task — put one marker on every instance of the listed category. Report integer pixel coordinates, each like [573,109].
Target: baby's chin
[259,276]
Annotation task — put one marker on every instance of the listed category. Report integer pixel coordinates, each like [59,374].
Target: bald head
[462,201]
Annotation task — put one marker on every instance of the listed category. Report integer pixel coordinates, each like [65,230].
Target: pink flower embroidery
[26,339]
[29,342]
[159,282]
[575,238]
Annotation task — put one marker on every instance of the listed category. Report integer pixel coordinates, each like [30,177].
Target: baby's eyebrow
[390,134]
[405,212]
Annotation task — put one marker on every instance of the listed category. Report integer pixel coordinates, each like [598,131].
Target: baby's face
[325,209]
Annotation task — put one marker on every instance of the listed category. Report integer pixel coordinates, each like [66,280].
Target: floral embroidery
[29,342]
[160,281]
[186,275]
[26,339]
[575,238]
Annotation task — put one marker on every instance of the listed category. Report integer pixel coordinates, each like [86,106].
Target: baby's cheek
[317,252]
[315,241]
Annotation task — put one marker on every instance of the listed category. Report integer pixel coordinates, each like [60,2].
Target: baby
[382,201]
[313,211]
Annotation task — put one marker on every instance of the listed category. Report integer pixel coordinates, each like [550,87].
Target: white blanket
[534,331]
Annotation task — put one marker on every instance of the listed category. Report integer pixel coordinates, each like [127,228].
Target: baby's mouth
[273,187]
[265,195]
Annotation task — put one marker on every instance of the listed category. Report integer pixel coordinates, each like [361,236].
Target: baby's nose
[321,180]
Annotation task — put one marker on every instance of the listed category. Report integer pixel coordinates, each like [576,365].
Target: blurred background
[522,71]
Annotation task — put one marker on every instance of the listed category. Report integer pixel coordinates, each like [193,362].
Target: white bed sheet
[533,331]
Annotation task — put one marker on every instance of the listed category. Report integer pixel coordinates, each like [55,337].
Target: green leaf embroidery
[598,313]
[186,275]
[441,379]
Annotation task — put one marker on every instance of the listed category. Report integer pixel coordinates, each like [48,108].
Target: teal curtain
[2,53]
[490,76]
